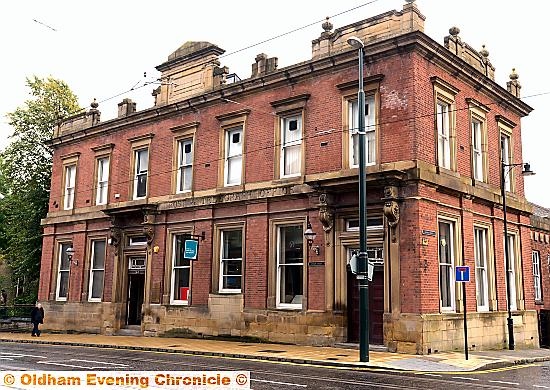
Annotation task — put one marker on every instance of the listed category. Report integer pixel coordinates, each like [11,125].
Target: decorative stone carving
[391,212]
[390,192]
[115,236]
[326,216]
[149,232]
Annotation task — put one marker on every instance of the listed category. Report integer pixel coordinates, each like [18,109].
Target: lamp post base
[511,343]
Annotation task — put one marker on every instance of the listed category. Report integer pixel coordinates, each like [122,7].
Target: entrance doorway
[376,300]
[136,290]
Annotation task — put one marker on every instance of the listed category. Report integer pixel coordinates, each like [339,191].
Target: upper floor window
[444,99]
[291,145]
[185,165]
[102,184]
[70,182]
[141,166]
[477,151]
[507,160]
[63,271]
[536,276]
[233,156]
[231,261]
[370,131]
[97,270]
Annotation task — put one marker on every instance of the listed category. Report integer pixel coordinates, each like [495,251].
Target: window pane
[64,259]
[446,258]
[291,244]
[292,158]
[292,129]
[63,284]
[142,160]
[232,244]
[97,284]
[99,254]
[291,290]
[141,189]
[445,282]
[234,170]
[181,284]
[179,252]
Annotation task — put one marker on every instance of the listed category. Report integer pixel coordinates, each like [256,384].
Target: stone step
[129,330]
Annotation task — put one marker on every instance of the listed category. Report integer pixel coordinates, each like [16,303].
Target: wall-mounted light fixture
[70,255]
[310,235]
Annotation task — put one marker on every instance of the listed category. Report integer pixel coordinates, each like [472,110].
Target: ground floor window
[231,261]
[446,264]
[511,270]
[97,270]
[290,266]
[536,276]
[181,272]
[481,255]
[63,270]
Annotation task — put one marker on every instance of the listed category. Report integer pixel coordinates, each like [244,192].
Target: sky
[102,49]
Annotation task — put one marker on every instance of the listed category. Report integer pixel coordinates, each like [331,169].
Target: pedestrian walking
[37,317]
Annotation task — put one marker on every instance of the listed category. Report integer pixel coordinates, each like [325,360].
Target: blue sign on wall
[462,273]
[191,249]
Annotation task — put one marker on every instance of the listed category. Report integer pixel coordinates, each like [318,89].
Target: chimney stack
[264,65]
[126,107]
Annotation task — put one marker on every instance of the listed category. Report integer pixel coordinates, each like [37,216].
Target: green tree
[25,174]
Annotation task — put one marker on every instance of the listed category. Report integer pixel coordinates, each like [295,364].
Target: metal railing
[16,311]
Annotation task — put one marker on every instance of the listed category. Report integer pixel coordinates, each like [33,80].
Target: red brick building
[245,166]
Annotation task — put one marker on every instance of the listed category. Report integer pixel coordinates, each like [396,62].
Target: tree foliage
[25,174]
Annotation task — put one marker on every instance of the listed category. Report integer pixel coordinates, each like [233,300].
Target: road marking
[505,383]
[13,354]
[541,387]
[103,363]
[67,365]
[5,358]
[278,383]
[432,375]
[464,378]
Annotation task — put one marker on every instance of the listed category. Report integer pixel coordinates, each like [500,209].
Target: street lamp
[362,256]
[503,172]
[310,235]
[70,253]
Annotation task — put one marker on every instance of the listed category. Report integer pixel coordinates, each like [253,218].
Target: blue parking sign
[462,273]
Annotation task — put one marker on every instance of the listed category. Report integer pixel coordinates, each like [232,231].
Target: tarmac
[346,356]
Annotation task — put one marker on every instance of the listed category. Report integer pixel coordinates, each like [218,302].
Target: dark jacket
[37,315]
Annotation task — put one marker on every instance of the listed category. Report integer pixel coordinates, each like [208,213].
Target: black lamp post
[504,170]
[362,256]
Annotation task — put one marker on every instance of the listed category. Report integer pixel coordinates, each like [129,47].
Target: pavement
[344,356]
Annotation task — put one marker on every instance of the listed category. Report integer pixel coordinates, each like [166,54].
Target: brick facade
[409,194]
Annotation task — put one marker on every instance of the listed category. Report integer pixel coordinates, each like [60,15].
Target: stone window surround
[139,143]
[67,161]
[350,93]
[518,276]
[456,293]
[216,255]
[505,127]
[477,112]
[103,151]
[54,295]
[171,234]
[229,121]
[539,274]
[183,132]
[295,105]
[489,266]
[445,93]
[86,295]
[272,284]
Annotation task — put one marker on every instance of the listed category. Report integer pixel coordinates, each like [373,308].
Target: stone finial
[454,31]
[410,1]
[327,25]
[513,86]
[94,104]
[484,52]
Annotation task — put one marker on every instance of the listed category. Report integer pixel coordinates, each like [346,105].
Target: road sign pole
[465,322]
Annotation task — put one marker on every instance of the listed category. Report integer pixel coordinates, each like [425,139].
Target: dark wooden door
[136,285]
[376,307]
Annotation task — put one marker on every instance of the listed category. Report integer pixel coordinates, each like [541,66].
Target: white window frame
[62,252]
[233,155]
[443,115]
[222,260]
[481,255]
[94,271]
[477,150]
[173,274]
[70,186]
[279,304]
[185,166]
[511,273]
[139,171]
[450,265]
[370,131]
[537,286]
[132,241]
[102,180]
[294,144]
[506,156]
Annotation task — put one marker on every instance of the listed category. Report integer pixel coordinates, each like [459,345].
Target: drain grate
[332,358]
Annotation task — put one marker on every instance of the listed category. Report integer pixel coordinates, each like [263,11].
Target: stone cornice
[411,42]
